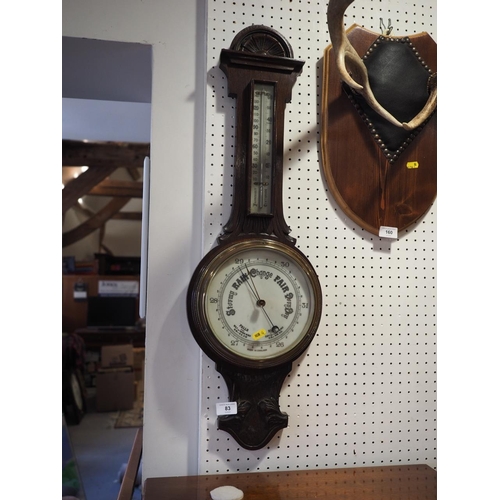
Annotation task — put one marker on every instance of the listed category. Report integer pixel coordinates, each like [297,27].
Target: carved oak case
[254,301]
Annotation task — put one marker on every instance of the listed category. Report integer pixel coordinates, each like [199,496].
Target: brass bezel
[202,277]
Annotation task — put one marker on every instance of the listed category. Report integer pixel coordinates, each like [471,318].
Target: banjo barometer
[254,301]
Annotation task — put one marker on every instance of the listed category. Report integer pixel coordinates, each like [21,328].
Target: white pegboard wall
[364,393]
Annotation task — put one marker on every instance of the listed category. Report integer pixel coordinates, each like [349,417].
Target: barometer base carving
[256,393]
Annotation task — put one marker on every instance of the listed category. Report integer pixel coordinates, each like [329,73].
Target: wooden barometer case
[254,301]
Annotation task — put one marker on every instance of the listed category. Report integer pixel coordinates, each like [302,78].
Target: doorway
[106,115]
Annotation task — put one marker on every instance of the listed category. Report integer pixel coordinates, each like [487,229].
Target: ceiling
[104,70]
[106,90]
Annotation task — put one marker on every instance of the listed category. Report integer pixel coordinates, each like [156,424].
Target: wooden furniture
[408,482]
[96,338]
[128,483]
[379,174]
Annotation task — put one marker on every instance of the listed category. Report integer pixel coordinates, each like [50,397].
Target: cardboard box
[115,389]
[115,384]
[114,356]
[139,355]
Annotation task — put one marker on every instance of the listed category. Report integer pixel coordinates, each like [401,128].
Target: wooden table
[94,338]
[404,482]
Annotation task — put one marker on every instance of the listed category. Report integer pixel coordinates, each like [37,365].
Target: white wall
[97,120]
[176,31]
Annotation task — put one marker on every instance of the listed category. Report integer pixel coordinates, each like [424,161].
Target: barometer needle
[252,289]
[261,303]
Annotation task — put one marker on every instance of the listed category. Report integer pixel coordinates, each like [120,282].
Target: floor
[101,451]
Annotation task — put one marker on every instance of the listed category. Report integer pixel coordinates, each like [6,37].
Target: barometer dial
[256,303]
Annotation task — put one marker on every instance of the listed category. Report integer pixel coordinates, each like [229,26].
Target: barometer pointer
[261,303]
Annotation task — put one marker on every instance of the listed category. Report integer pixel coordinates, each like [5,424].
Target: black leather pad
[399,81]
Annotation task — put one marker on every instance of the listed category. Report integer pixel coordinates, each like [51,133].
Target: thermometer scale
[262,148]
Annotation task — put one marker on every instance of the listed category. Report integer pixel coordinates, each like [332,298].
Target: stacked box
[115,384]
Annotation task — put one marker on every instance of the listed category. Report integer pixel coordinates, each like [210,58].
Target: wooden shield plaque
[378,173]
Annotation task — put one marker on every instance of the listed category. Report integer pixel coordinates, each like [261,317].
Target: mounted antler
[354,73]
[429,107]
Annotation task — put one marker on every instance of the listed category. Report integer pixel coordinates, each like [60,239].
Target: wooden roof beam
[114,188]
[95,222]
[98,154]
[83,184]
